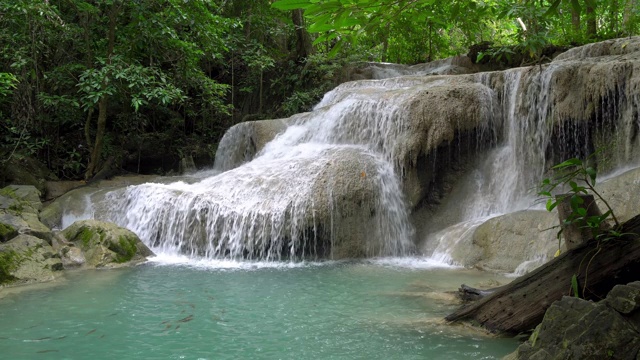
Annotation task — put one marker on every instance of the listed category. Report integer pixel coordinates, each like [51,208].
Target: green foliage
[580,178]
[59,59]
[444,25]
[8,82]
[574,286]
[403,27]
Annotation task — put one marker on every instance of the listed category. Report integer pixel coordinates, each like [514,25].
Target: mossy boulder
[104,244]
[20,198]
[19,207]
[27,259]
[578,329]
[25,171]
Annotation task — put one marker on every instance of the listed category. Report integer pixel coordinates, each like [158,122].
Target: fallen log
[520,306]
[467,293]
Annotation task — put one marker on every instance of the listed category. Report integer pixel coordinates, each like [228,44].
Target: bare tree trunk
[629,8]
[385,44]
[575,20]
[576,233]
[304,46]
[592,26]
[260,100]
[96,154]
[614,8]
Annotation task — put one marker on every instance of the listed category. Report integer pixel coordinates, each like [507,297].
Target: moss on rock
[9,262]
[105,244]
[7,232]
[125,248]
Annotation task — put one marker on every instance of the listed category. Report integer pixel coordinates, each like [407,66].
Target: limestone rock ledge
[573,328]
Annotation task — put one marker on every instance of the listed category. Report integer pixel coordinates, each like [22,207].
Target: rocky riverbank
[31,252]
[578,329]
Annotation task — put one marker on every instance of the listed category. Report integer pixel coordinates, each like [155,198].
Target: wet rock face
[577,329]
[329,201]
[102,244]
[243,141]
[508,241]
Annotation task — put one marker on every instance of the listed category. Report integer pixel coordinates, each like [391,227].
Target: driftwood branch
[520,305]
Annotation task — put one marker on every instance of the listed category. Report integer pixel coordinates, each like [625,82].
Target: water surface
[230,310]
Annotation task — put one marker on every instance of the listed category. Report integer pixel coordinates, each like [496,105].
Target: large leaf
[291,4]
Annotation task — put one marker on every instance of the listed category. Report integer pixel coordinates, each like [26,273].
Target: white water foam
[164,259]
[328,179]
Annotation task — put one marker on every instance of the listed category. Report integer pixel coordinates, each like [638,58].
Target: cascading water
[569,108]
[324,187]
[331,183]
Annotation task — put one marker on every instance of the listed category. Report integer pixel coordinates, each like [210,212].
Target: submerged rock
[103,244]
[577,329]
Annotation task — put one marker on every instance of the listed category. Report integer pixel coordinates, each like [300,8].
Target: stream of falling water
[330,181]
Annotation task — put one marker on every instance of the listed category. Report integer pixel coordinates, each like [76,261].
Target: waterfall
[341,181]
[324,187]
[546,114]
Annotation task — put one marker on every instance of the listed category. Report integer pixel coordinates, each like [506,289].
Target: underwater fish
[187,319]
[46,351]
[41,339]
[90,332]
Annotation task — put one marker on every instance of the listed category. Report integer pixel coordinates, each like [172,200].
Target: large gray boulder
[243,141]
[27,259]
[622,192]
[516,242]
[577,329]
[102,244]
[25,171]
[19,206]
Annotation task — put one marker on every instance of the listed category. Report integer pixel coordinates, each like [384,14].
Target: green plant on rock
[579,178]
